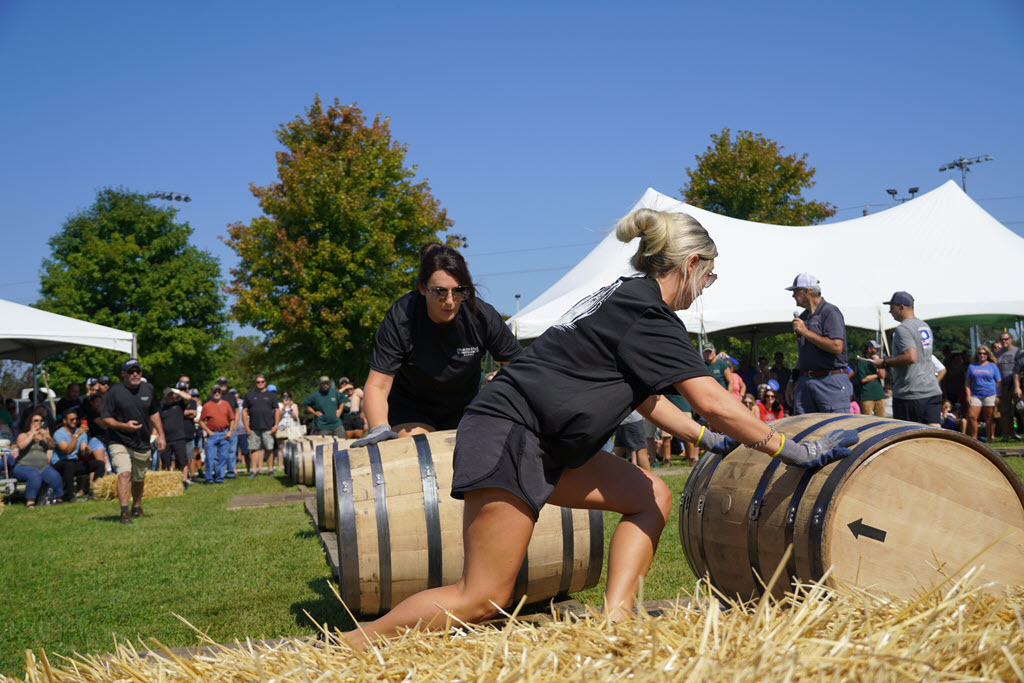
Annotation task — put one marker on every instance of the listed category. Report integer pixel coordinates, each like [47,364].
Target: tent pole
[135,345]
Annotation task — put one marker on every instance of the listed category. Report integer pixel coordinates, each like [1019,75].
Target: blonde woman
[983,385]
[534,434]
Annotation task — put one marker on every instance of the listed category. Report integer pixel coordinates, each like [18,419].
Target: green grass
[74,578]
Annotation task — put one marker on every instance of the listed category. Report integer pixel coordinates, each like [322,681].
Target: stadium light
[963,164]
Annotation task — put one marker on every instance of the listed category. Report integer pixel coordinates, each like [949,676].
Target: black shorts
[922,410]
[176,449]
[493,453]
[352,421]
[400,413]
[631,436]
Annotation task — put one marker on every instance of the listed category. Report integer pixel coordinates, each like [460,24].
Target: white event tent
[31,335]
[939,247]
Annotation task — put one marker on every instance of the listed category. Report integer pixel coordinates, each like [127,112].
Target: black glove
[716,443]
[830,447]
[381,432]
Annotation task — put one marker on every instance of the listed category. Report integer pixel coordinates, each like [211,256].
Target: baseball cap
[131,363]
[181,385]
[872,344]
[233,391]
[773,385]
[103,379]
[89,382]
[216,388]
[271,387]
[168,391]
[193,392]
[708,347]
[222,380]
[900,299]
[802,281]
[325,378]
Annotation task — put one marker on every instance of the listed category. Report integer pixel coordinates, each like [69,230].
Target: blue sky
[537,125]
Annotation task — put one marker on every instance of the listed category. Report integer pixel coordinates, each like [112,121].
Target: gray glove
[381,432]
[716,443]
[830,447]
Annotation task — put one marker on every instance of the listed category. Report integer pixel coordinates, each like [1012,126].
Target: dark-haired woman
[534,434]
[425,367]
[32,464]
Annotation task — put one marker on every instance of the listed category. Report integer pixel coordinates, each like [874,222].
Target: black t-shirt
[89,416]
[65,403]
[261,406]
[124,405]
[190,425]
[173,417]
[437,367]
[605,357]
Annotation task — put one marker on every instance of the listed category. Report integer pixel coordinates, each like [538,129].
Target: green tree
[126,263]
[337,244]
[750,179]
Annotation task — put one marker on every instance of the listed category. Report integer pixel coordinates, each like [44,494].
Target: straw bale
[958,633]
[158,485]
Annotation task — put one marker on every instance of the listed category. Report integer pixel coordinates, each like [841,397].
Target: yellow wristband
[782,442]
[700,435]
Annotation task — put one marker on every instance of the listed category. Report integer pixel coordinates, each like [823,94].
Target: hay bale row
[959,633]
[158,485]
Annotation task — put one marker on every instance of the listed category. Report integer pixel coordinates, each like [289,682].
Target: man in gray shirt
[1010,360]
[916,395]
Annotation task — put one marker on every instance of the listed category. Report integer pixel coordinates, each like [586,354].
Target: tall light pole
[912,191]
[963,164]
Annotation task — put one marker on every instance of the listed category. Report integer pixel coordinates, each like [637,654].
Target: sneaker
[126,517]
[253,475]
[230,476]
[184,484]
[137,512]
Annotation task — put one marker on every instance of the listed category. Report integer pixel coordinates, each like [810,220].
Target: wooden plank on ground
[262,500]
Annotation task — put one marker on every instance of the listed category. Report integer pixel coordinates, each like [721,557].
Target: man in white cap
[823,386]
[916,394]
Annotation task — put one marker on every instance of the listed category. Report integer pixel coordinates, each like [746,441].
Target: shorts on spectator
[631,436]
[650,431]
[352,421]
[921,410]
[261,439]
[124,459]
[985,402]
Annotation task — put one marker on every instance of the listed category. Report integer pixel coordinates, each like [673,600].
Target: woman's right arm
[24,440]
[375,398]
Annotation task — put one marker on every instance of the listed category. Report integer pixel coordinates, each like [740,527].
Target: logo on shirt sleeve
[926,337]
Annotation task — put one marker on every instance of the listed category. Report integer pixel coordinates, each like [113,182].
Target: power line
[530,270]
[472,254]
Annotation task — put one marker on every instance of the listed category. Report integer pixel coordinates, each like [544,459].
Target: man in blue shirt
[72,456]
[820,330]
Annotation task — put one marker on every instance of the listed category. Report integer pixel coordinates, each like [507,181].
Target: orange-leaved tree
[337,243]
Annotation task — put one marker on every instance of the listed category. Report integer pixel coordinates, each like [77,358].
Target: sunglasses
[441,293]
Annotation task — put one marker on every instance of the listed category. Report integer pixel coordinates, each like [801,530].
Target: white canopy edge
[31,335]
[920,246]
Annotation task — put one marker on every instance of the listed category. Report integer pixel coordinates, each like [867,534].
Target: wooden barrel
[911,507]
[304,460]
[400,531]
[324,475]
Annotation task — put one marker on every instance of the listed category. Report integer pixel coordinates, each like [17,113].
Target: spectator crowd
[58,449]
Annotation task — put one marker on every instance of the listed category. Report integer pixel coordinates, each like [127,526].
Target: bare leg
[990,423]
[972,421]
[256,461]
[137,487]
[124,488]
[608,483]
[496,532]
[665,450]
[643,461]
